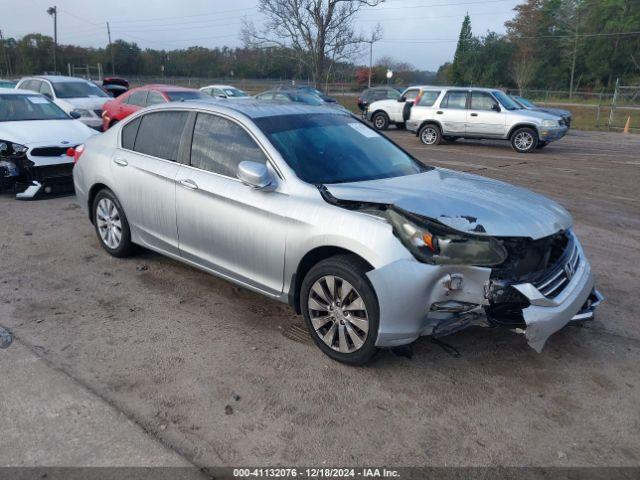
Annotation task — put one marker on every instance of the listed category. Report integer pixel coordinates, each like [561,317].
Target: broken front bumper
[417,299]
[552,134]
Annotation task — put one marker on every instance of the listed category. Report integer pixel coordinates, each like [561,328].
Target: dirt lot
[206,369]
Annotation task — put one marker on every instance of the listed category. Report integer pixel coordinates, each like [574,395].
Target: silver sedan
[309,206]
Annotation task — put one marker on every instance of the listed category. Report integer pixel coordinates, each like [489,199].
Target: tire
[450,139]
[524,140]
[349,333]
[380,121]
[542,145]
[110,222]
[430,134]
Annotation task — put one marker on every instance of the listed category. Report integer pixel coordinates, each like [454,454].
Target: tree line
[555,44]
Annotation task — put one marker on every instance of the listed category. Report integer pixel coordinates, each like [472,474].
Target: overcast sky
[421,32]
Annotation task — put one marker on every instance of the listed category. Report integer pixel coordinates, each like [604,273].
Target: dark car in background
[529,105]
[374,94]
[115,86]
[296,96]
[311,91]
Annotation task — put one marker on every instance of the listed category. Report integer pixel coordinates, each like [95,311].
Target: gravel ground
[223,377]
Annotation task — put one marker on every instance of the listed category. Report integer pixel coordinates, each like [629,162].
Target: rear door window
[46,89]
[456,99]
[160,133]
[219,145]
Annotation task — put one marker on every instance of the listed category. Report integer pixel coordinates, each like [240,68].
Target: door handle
[474,114]
[439,112]
[190,184]
[120,161]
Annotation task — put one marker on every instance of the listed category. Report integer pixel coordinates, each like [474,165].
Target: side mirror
[495,107]
[74,114]
[254,174]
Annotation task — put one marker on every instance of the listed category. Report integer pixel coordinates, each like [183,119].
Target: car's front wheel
[524,140]
[111,224]
[380,121]
[430,135]
[340,309]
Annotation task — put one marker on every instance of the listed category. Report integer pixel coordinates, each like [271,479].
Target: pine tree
[461,69]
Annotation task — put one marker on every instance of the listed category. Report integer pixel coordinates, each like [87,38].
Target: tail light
[77,153]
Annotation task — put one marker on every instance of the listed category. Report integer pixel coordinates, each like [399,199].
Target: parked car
[310,206]
[120,108]
[296,96]
[566,115]
[394,111]
[115,86]
[70,94]
[225,91]
[374,94]
[449,113]
[35,136]
[310,90]
[7,83]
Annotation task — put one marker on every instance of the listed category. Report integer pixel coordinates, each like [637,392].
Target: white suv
[449,113]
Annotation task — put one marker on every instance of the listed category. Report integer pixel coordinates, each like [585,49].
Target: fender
[523,125]
[430,121]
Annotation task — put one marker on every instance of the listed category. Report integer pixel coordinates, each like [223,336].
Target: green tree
[463,61]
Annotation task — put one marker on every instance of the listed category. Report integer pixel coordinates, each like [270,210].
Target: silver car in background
[310,206]
[450,113]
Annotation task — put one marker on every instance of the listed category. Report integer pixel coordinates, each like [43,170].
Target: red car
[137,98]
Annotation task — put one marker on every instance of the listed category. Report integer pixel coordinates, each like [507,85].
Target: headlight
[432,242]
[83,113]
[549,123]
[11,150]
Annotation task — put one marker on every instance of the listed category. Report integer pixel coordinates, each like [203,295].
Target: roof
[16,91]
[161,87]
[57,78]
[219,86]
[254,108]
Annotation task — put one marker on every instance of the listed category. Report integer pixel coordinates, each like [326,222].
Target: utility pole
[370,61]
[113,62]
[53,11]
[7,60]
[575,52]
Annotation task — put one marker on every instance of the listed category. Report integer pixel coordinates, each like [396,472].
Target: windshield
[506,101]
[332,148]
[7,84]
[524,102]
[79,89]
[178,96]
[16,108]
[234,92]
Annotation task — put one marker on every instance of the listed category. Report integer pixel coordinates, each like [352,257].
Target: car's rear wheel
[524,140]
[340,309]
[111,224]
[380,121]
[430,135]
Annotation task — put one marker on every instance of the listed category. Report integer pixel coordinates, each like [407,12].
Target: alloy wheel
[429,135]
[379,121]
[523,141]
[109,223]
[338,314]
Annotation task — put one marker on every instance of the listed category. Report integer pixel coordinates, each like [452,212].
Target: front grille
[98,112]
[49,151]
[551,285]
[52,172]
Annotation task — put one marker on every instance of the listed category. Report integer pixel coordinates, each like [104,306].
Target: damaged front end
[40,170]
[467,277]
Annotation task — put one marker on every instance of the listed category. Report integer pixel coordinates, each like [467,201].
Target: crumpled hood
[45,132]
[464,202]
[87,103]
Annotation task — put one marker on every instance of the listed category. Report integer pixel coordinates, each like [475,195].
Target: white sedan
[225,91]
[37,139]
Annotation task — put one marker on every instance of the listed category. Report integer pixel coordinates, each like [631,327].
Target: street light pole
[53,11]
[370,61]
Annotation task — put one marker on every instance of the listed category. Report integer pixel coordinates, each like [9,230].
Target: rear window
[159,134]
